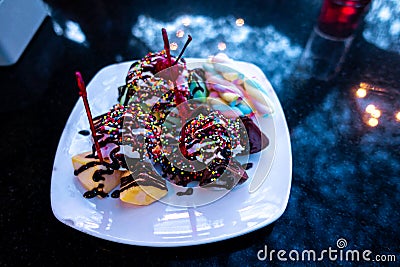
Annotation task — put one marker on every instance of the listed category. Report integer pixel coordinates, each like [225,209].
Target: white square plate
[252,205]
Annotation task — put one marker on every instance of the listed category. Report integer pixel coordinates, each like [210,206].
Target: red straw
[83,94]
[179,98]
[166,45]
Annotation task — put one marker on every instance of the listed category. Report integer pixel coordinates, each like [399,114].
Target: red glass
[339,18]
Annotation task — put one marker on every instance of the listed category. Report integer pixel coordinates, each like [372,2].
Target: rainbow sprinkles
[174,125]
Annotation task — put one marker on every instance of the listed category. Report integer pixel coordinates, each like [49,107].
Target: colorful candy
[233,87]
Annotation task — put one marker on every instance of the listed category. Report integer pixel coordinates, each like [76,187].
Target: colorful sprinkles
[137,122]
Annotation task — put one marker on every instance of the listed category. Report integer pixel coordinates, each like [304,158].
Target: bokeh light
[398,116]
[370,108]
[221,46]
[376,113]
[373,122]
[186,21]
[180,33]
[240,22]
[173,46]
[361,93]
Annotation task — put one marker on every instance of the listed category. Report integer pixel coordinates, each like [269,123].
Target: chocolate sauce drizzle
[97,191]
[142,176]
[115,194]
[198,88]
[84,132]
[201,77]
[86,166]
[142,179]
[231,174]
[247,166]
[98,175]
[188,192]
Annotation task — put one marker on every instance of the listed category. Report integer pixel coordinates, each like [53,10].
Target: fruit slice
[143,186]
[94,176]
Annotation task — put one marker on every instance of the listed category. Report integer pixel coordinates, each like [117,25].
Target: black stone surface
[346,175]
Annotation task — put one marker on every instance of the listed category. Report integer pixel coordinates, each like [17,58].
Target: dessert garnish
[83,94]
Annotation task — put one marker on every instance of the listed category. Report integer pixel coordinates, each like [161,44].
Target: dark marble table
[346,169]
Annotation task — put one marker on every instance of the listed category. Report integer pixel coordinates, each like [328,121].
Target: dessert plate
[256,203]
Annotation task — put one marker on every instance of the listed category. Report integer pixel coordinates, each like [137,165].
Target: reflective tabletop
[340,96]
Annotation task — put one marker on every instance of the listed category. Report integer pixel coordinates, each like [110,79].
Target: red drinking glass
[339,18]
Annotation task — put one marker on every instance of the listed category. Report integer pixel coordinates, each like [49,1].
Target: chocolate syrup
[97,191]
[188,191]
[98,174]
[86,166]
[198,88]
[115,194]
[84,132]
[247,166]
[142,179]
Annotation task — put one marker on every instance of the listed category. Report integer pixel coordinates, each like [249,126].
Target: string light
[361,93]
[398,116]
[370,108]
[376,113]
[365,93]
[373,122]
